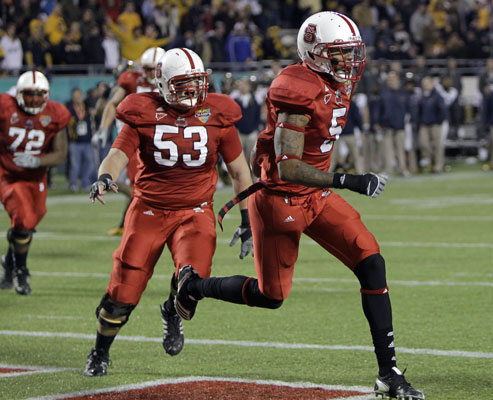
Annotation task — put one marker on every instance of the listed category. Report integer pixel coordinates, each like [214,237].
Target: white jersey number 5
[334,130]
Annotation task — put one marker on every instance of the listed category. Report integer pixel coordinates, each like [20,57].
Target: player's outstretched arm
[109,113]
[241,179]
[369,184]
[110,169]
[289,144]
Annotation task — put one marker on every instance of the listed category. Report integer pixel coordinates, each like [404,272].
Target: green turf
[434,231]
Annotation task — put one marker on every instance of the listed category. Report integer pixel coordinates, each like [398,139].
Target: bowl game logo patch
[45,120]
[203,114]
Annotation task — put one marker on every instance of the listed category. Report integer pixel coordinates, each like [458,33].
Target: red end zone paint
[222,390]
[9,370]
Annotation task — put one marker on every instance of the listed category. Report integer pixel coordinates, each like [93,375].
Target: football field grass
[435,232]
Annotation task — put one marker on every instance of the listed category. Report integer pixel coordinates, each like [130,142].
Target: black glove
[245,233]
[101,186]
[369,184]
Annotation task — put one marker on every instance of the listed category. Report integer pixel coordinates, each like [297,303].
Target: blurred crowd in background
[426,94]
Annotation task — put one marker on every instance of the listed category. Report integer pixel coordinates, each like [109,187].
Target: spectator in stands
[420,19]
[383,32]
[111,47]
[272,47]
[454,74]
[37,52]
[202,46]
[69,50]
[248,125]
[93,50]
[455,46]
[165,16]
[239,44]
[217,42]
[431,113]
[47,6]
[134,43]
[12,49]
[55,26]
[347,155]
[81,160]
[129,19]
[393,107]
[364,17]
[419,69]
[474,45]
[111,8]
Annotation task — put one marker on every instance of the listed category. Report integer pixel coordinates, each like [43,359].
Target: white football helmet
[32,92]
[181,78]
[148,61]
[330,43]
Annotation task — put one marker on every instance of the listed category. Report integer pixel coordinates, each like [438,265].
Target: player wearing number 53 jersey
[32,137]
[178,134]
[307,108]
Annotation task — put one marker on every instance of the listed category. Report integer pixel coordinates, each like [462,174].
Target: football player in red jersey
[32,137]
[178,135]
[128,82]
[307,109]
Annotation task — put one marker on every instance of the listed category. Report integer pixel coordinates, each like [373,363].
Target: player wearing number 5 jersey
[32,137]
[307,109]
[178,134]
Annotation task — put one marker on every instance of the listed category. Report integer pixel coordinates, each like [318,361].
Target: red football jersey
[300,90]
[135,82]
[178,152]
[21,132]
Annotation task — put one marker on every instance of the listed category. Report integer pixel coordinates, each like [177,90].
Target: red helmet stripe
[347,22]
[189,57]
[34,77]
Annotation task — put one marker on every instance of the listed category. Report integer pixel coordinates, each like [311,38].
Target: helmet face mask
[187,91]
[329,42]
[181,79]
[345,62]
[32,92]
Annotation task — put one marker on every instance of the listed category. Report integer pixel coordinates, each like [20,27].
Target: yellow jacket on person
[132,47]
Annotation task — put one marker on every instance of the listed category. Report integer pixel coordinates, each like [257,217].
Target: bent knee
[256,298]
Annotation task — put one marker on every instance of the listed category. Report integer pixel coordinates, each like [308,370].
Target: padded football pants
[190,235]
[24,201]
[277,224]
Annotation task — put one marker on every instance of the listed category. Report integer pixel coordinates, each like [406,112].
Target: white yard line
[51,317]
[246,343]
[173,381]
[58,236]
[314,280]
[31,370]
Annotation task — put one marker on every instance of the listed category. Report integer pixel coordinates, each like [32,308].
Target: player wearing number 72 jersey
[32,137]
[178,134]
